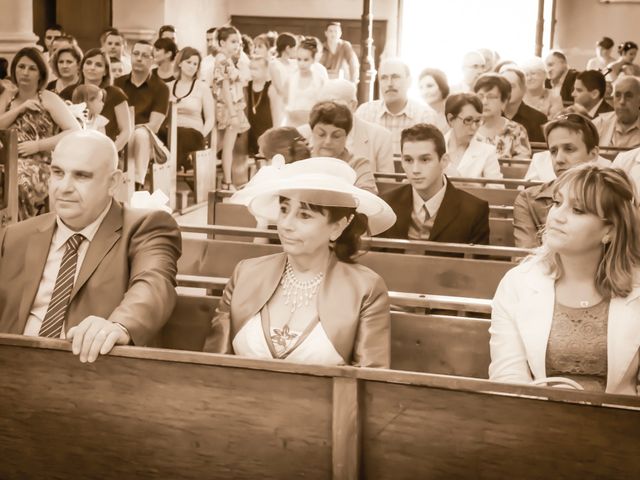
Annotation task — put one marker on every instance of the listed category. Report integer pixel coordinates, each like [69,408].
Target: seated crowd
[81,266]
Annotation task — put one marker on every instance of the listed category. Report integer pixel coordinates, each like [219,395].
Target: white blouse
[315,349]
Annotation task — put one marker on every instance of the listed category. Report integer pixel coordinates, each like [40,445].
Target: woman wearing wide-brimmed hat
[312,303]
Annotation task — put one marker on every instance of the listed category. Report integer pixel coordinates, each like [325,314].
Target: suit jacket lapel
[36,255]
[107,235]
[623,337]
[447,212]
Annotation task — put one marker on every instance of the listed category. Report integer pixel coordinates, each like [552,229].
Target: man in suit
[560,78]
[429,207]
[93,272]
[366,140]
[589,90]
[518,111]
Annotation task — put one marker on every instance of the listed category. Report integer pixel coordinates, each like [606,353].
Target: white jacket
[480,160]
[521,321]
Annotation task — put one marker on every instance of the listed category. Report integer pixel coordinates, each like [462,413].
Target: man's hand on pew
[96,335]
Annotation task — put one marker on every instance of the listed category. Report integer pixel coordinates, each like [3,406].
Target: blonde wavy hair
[609,194]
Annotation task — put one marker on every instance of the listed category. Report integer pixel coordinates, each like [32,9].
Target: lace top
[577,346]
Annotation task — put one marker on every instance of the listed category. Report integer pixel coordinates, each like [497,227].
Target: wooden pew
[416,274]
[223,213]
[150,413]
[8,177]
[202,179]
[446,345]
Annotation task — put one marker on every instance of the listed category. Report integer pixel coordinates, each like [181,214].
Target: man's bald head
[84,177]
[626,99]
[89,143]
[339,90]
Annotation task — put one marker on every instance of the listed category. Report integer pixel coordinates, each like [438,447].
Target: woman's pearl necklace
[298,293]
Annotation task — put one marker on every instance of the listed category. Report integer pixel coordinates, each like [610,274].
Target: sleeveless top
[257,339]
[304,98]
[259,114]
[577,346]
[35,125]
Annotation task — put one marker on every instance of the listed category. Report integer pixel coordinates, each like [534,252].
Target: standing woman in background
[603,55]
[229,96]
[40,119]
[66,67]
[194,101]
[304,86]
[282,68]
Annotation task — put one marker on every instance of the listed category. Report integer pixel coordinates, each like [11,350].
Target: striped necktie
[57,310]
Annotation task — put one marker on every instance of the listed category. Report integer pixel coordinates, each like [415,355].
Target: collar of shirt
[625,130]
[546,190]
[593,111]
[433,204]
[63,233]
[408,110]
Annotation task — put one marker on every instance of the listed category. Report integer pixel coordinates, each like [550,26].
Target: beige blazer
[353,306]
[128,274]
[521,322]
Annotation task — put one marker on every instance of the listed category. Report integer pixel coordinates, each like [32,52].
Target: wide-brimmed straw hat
[324,181]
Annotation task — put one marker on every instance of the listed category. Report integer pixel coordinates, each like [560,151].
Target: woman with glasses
[571,309]
[509,137]
[468,157]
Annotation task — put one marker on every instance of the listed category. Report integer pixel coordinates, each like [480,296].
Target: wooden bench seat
[402,272]
[150,413]
[447,345]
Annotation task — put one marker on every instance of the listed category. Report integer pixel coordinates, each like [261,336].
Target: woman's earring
[606,240]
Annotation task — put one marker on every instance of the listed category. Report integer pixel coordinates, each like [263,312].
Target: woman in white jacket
[468,157]
[572,309]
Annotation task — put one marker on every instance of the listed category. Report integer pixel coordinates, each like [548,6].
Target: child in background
[93,97]
[117,68]
[227,90]
[264,103]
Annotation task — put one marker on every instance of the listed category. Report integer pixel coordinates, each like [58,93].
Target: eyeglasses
[468,121]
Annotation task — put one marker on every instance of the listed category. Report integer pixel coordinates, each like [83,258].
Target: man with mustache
[92,272]
[395,111]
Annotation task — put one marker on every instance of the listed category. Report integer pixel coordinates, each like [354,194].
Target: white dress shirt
[52,266]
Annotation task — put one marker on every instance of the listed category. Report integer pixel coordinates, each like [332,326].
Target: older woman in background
[509,137]
[312,303]
[536,95]
[468,157]
[41,119]
[571,310]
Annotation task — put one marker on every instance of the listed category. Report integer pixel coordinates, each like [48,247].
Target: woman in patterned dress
[509,137]
[40,119]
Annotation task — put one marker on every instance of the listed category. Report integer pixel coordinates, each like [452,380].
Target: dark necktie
[57,310]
